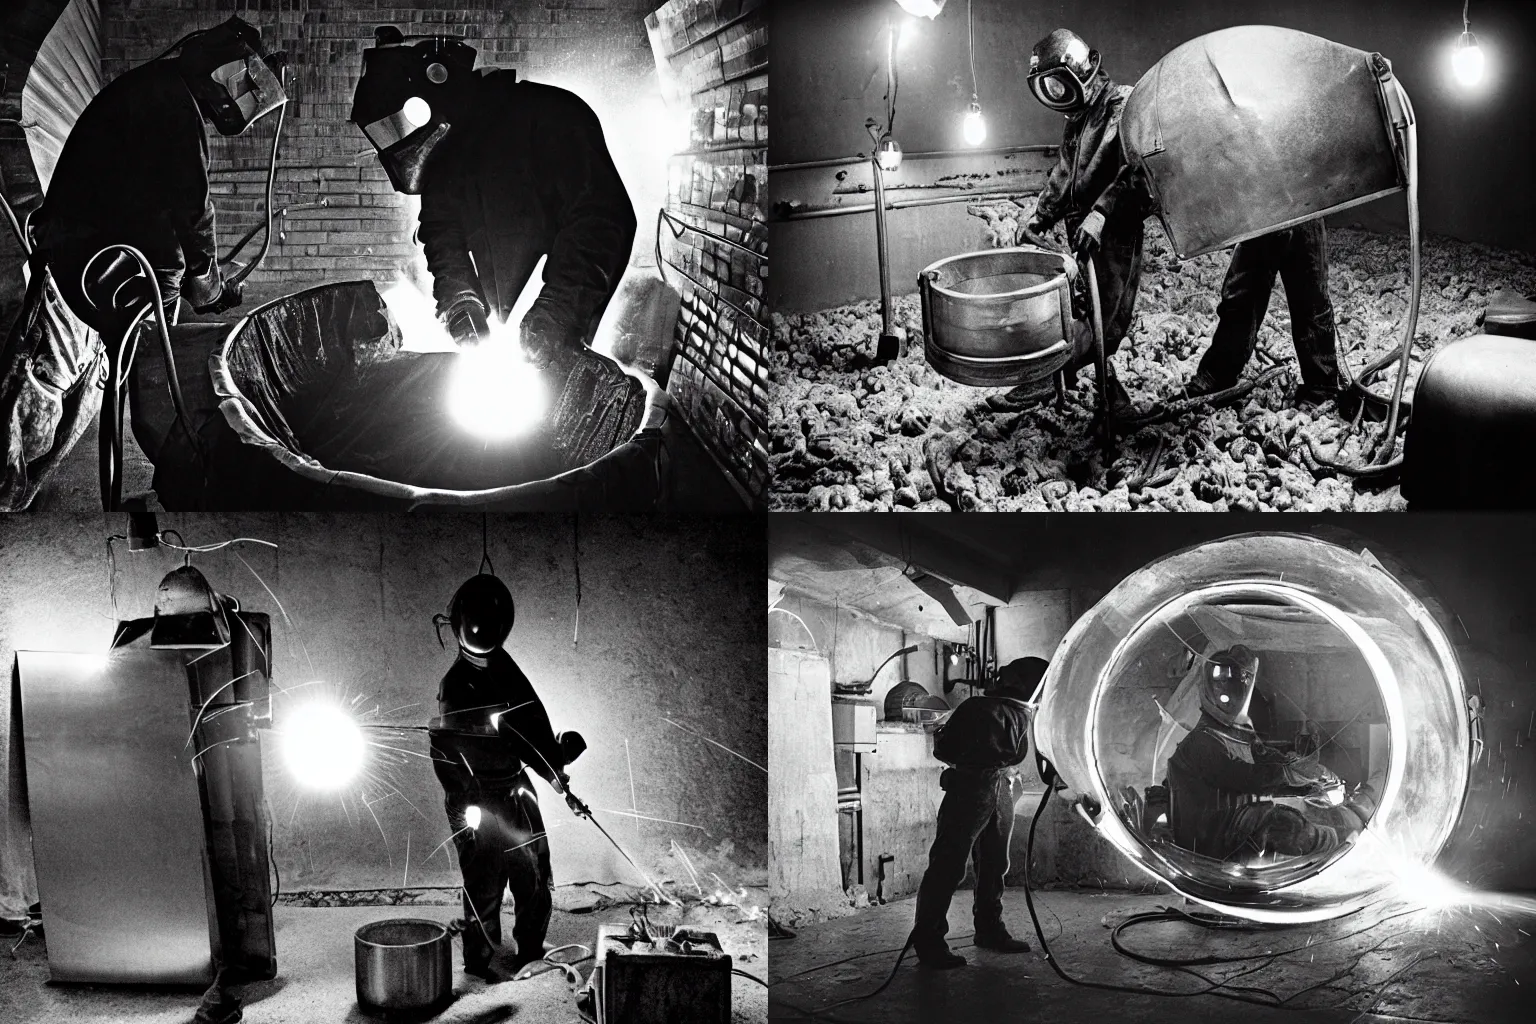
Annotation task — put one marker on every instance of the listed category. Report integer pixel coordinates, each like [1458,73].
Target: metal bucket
[404,968]
[998,318]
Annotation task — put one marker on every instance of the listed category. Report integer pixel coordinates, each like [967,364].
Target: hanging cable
[576,562]
[485,549]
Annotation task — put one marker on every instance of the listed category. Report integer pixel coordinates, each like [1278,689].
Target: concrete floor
[316,979]
[1461,967]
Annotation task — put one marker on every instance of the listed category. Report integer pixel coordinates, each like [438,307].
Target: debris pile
[849,436]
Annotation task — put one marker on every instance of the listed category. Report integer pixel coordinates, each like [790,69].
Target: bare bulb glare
[494,392]
[922,8]
[974,127]
[472,816]
[1467,62]
[888,155]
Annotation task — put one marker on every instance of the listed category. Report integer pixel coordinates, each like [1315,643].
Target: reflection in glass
[1243,737]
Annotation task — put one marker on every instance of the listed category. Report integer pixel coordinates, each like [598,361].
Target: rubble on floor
[902,437]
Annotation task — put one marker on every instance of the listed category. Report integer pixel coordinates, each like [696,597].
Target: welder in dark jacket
[1092,188]
[508,172]
[1221,776]
[134,169]
[491,729]
[983,740]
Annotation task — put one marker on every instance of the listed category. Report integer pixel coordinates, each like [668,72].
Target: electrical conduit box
[853,725]
[681,978]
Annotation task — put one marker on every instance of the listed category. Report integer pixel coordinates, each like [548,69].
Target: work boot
[1202,384]
[1310,396]
[939,958]
[998,940]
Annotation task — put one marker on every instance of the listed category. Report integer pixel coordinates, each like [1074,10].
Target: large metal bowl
[404,968]
[998,318]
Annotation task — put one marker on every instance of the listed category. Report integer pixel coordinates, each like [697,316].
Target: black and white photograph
[1185,769]
[331,254]
[1101,255]
[462,768]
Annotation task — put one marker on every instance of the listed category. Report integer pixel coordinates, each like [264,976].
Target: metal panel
[117,826]
[1252,129]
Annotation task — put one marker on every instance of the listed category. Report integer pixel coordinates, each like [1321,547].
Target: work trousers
[1267,828]
[1117,269]
[508,850]
[1300,256]
[975,822]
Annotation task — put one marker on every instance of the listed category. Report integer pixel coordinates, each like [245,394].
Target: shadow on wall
[669,651]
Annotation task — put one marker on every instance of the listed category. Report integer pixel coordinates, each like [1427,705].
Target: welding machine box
[682,980]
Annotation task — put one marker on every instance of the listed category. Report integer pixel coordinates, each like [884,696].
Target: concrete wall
[671,627]
[804,878]
[1475,145]
[597,49]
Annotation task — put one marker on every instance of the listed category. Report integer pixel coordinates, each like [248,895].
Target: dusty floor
[1416,967]
[316,979]
[858,439]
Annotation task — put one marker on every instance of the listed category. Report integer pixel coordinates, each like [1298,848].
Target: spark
[445,842]
[210,746]
[682,855]
[530,842]
[407,861]
[634,806]
[646,817]
[369,807]
[722,746]
[198,719]
[402,707]
[286,617]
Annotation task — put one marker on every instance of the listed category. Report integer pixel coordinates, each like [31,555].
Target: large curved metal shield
[1252,129]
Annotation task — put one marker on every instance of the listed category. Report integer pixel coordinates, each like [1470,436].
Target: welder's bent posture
[507,172]
[1300,256]
[492,728]
[1221,774]
[1092,187]
[983,740]
[134,169]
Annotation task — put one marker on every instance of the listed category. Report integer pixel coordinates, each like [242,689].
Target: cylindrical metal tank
[998,318]
[404,968]
[1475,403]
[1354,598]
[1251,129]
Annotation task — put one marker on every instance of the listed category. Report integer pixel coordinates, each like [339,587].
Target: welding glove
[467,323]
[1034,231]
[542,347]
[230,296]
[1088,234]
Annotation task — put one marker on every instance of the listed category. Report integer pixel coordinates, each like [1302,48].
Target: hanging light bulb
[922,8]
[1467,61]
[974,126]
[888,155]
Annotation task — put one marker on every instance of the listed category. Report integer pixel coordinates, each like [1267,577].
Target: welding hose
[1101,356]
[266,241]
[111,476]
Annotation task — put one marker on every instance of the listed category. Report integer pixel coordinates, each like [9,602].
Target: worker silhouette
[134,170]
[491,728]
[983,741]
[508,172]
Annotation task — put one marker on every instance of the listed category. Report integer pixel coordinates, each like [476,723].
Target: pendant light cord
[970,46]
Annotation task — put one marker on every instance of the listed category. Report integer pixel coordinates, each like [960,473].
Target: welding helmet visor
[1227,689]
[481,614]
[234,83]
[1062,72]
[404,100]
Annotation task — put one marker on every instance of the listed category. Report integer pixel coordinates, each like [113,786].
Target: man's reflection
[1223,781]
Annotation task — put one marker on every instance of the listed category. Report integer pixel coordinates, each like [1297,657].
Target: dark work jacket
[985,733]
[1092,173]
[1208,781]
[470,751]
[527,175]
[134,170]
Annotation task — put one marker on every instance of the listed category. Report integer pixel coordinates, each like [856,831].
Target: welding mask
[233,82]
[1228,687]
[1018,679]
[481,614]
[1063,72]
[405,103]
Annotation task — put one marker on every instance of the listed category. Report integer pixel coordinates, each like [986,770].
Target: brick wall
[713,60]
[596,48]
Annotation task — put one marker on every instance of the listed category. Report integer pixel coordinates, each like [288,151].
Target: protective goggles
[1060,89]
